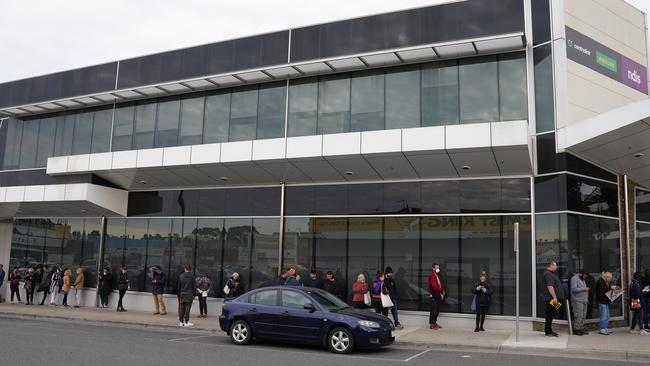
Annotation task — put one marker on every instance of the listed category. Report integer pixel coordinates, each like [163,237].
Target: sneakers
[188,324]
[552,334]
[181,324]
[435,327]
[399,326]
[645,332]
[604,332]
[476,330]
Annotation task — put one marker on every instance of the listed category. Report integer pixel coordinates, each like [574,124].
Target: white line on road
[417,355]
[188,338]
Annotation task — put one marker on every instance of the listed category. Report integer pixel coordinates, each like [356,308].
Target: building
[397,139]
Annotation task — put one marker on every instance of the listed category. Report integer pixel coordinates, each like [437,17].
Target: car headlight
[369,324]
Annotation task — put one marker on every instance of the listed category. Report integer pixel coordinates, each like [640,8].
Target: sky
[43,36]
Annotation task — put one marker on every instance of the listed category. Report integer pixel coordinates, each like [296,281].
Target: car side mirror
[309,306]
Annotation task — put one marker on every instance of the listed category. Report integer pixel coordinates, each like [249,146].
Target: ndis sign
[605,61]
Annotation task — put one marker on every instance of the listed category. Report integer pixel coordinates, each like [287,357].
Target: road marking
[417,355]
[188,338]
[466,356]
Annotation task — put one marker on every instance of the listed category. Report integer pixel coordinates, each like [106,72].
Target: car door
[295,321]
[264,311]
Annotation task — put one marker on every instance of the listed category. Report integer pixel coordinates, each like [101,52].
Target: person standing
[55,286]
[2,279]
[291,278]
[30,284]
[122,286]
[186,292]
[203,285]
[78,286]
[313,280]
[377,289]
[67,285]
[333,286]
[635,302]
[14,284]
[233,285]
[391,287]
[645,289]
[437,292]
[158,280]
[483,297]
[552,295]
[105,281]
[44,283]
[359,291]
[579,302]
[602,288]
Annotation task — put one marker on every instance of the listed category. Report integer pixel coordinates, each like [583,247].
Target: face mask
[437,270]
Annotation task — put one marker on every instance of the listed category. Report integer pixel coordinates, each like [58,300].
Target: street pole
[516,236]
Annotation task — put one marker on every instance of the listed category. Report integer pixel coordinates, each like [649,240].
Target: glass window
[298,246]
[46,134]
[167,124]
[243,114]
[28,143]
[367,101]
[158,246]
[123,127]
[642,246]
[591,196]
[90,251]
[513,95]
[541,14]
[73,230]
[237,252]
[135,252]
[441,197]
[334,104]
[479,90]
[403,97]
[401,198]
[102,130]
[209,246]
[402,253]
[145,124]
[364,249]
[329,247]
[294,299]
[364,199]
[480,196]
[265,297]
[53,244]
[303,106]
[191,121]
[642,205]
[64,129]
[83,132]
[271,110]
[265,252]
[182,250]
[544,103]
[441,245]
[440,93]
[12,145]
[114,248]
[217,116]
[20,242]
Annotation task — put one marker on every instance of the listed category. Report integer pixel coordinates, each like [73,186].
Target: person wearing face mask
[579,302]
[437,291]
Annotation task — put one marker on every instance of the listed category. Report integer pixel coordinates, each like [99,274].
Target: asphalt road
[58,342]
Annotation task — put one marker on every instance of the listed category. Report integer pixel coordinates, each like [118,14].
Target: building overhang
[618,140]
[77,200]
[382,58]
[481,149]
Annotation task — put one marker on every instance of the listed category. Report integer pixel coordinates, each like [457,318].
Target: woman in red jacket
[437,291]
[359,290]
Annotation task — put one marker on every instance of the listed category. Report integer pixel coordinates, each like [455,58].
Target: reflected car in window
[303,315]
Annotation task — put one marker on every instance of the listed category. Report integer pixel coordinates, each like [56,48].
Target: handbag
[386,302]
[367,299]
[226,289]
[635,304]
[473,307]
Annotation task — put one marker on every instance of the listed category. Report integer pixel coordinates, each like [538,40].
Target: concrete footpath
[620,346]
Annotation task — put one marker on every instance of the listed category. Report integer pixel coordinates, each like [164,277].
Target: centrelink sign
[606,61]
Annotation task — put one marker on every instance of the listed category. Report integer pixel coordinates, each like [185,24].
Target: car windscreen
[327,300]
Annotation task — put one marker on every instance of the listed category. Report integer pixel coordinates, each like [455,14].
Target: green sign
[606,61]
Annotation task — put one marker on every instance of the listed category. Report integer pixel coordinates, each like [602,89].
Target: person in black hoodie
[635,302]
[483,293]
[122,286]
[105,280]
[333,286]
[186,293]
[391,286]
[44,283]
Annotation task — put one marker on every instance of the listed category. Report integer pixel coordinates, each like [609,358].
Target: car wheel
[340,340]
[240,332]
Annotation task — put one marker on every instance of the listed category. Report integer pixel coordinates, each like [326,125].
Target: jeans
[604,316]
[579,314]
[646,312]
[435,308]
[550,314]
[185,305]
[393,311]
[203,305]
[65,298]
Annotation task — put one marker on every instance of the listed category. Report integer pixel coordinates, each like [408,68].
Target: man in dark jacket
[186,293]
[333,286]
[552,294]
[313,280]
[158,280]
[44,283]
[389,283]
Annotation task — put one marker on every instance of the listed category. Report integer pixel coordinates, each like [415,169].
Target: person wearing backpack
[636,304]
[55,286]
[14,284]
[482,298]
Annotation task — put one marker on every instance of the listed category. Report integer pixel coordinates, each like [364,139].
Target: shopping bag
[367,299]
[386,302]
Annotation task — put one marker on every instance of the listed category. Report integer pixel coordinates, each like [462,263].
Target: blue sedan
[303,315]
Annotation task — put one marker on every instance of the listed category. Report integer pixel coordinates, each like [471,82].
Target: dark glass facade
[576,193]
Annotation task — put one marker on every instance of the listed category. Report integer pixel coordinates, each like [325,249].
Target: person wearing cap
[579,301]
[389,282]
[291,278]
[483,297]
[158,280]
